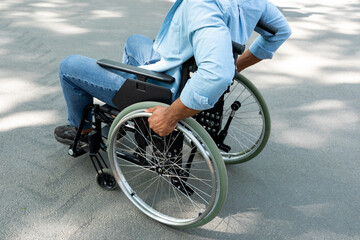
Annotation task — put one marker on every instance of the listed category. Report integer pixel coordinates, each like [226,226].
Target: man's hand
[164,119]
[161,120]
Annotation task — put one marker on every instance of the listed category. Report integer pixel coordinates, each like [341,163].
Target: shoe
[66,135]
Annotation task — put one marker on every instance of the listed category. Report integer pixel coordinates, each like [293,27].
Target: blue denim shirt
[204,29]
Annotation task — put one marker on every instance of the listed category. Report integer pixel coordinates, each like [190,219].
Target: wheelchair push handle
[239,49]
[267,27]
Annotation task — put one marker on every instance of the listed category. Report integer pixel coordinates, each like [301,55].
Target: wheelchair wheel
[250,127]
[105,179]
[179,180]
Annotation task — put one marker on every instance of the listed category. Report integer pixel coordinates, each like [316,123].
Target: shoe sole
[69,142]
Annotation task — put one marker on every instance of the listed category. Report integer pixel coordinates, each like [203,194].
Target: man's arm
[164,119]
[211,42]
[266,44]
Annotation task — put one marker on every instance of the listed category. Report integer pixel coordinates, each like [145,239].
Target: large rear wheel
[179,180]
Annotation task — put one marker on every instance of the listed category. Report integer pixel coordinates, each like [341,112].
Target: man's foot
[66,135]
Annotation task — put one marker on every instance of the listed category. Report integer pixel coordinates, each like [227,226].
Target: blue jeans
[82,78]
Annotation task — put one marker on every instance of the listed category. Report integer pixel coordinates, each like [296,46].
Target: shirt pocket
[172,39]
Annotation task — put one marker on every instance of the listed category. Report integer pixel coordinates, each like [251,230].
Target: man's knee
[67,63]
[136,40]
[72,63]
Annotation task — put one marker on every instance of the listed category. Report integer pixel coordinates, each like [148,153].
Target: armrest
[141,73]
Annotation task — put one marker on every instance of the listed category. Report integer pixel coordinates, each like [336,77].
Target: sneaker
[66,135]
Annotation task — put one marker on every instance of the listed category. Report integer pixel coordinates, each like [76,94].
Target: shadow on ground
[304,185]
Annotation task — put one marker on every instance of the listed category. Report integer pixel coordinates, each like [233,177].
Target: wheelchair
[179,180]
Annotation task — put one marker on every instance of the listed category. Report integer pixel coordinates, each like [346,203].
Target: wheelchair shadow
[235,220]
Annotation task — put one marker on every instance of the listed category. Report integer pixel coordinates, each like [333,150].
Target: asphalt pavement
[304,185]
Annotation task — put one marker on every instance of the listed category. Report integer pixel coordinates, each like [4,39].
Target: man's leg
[82,79]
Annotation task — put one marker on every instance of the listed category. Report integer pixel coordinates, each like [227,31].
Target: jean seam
[85,82]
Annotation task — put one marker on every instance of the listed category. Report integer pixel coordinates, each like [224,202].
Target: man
[200,28]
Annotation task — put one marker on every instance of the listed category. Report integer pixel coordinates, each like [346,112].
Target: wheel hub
[160,170]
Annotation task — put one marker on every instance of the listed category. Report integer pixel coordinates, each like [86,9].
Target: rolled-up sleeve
[211,42]
[266,44]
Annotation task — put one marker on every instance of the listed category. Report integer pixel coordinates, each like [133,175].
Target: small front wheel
[105,179]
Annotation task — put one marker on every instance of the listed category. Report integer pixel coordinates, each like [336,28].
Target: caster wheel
[105,179]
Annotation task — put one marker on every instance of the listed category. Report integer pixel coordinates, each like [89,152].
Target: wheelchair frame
[211,120]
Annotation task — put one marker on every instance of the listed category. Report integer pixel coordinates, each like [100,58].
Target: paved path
[305,184]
